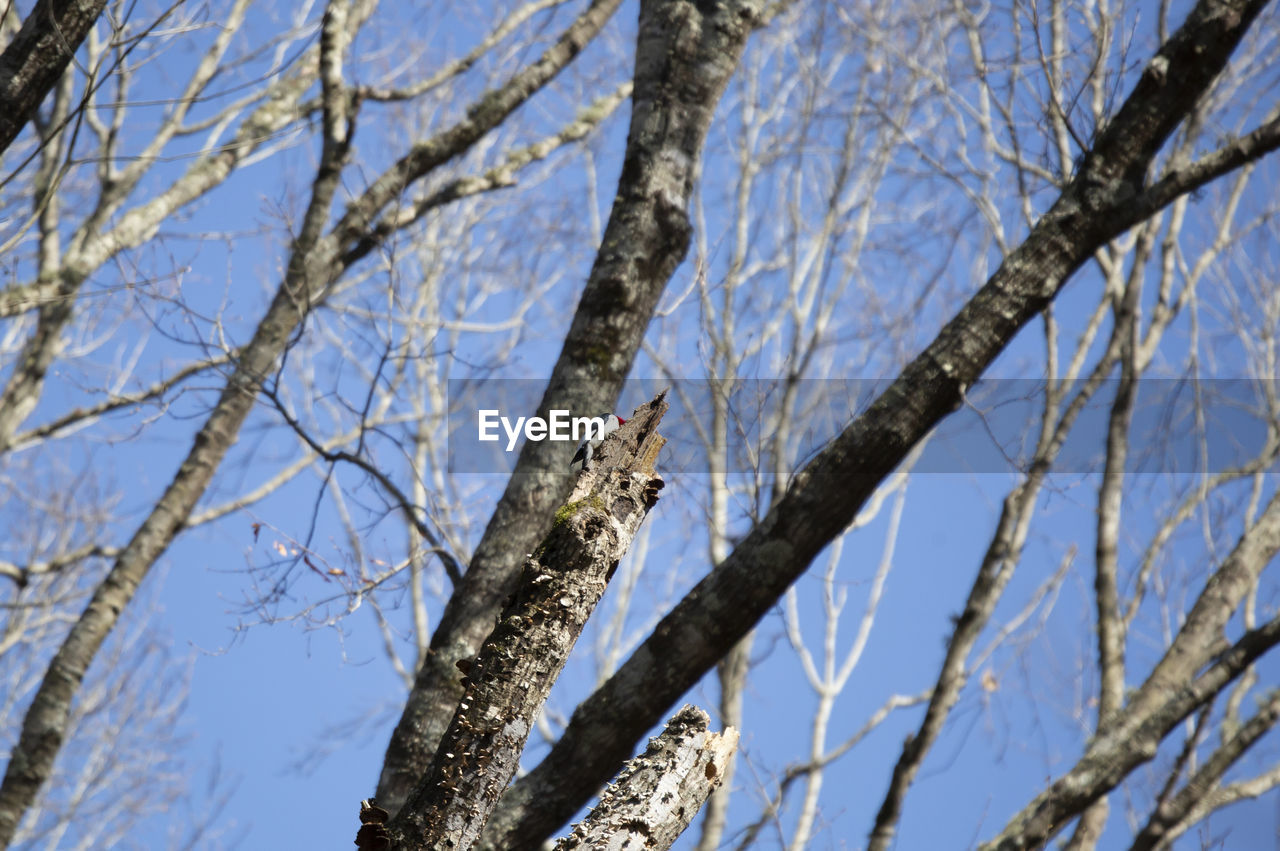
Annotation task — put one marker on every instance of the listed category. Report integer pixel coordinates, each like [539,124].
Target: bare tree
[870,166]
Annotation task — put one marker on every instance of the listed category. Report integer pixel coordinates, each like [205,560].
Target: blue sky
[293,716]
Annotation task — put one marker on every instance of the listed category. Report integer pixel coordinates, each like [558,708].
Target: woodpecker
[588,448]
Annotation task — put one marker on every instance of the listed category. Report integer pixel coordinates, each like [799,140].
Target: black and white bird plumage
[587,451]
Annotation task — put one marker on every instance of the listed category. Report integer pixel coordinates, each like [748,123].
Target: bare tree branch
[520,661]
[684,58]
[1174,810]
[822,499]
[1113,755]
[37,57]
[658,793]
[313,266]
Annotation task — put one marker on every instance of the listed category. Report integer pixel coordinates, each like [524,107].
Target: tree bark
[1112,757]
[317,259]
[660,791]
[38,56]
[685,55]
[1105,198]
[509,681]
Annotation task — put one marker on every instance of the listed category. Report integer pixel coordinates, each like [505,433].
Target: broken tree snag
[657,793]
[511,677]
[635,444]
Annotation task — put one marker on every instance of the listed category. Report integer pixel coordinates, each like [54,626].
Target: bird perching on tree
[587,451]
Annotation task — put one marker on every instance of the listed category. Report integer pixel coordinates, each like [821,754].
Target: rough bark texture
[508,682]
[37,57]
[1102,201]
[316,261]
[660,791]
[685,55]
